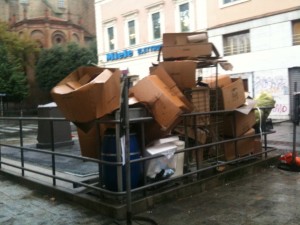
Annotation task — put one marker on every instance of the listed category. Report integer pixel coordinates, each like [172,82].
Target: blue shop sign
[129,53]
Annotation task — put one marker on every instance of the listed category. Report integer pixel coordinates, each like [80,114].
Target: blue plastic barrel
[109,172]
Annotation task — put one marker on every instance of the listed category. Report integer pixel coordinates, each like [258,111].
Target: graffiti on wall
[273,85]
[277,85]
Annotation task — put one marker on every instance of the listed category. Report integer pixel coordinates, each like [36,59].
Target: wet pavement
[270,197]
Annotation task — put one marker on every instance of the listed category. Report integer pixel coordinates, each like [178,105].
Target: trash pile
[169,93]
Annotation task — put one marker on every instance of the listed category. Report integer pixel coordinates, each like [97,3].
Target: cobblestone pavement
[20,205]
[268,198]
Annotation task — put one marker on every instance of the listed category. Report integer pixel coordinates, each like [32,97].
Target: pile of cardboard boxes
[169,92]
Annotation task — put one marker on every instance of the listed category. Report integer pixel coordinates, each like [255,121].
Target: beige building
[259,37]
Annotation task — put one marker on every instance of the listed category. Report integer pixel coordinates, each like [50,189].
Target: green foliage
[14,56]
[12,79]
[56,63]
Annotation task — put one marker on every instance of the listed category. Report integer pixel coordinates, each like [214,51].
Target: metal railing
[23,143]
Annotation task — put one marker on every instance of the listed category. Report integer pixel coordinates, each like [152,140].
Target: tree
[56,63]
[14,56]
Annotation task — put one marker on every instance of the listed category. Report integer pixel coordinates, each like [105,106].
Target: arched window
[75,38]
[58,38]
[39,37]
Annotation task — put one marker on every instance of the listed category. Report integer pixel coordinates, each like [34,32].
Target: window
[111,38]
[61,3]
[58,38]
[156,25]
[24,2]
[225,3]
[296,32]
[236,43]
[184,14]
[155,20]
[131,27]
[131,32]
[228,1]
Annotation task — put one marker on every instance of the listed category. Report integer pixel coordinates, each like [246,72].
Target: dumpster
[61,129]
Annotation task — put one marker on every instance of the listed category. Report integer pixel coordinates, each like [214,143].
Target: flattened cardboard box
[165,107]
[88,93]
[243,147]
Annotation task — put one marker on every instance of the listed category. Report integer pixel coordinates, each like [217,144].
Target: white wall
[272,53]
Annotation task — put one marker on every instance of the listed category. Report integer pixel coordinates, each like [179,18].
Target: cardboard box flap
[73,84]
[168,80]
[247,107]
[151,93]
[91,100]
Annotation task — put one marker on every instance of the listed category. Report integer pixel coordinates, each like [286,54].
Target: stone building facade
[49,22]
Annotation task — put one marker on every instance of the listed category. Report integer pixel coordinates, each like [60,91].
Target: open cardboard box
[183,73]
[88,93]
[228,97]
[161,72]
[165,107]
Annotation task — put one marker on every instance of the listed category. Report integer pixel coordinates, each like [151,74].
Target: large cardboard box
[228,97]
[188,51]
[165,107]
[173,39]
[182,72]
[241,147]
[161,72]
[88,93]
[237,123]
[217,80]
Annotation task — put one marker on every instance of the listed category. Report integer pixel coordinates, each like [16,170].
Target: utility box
[61,129]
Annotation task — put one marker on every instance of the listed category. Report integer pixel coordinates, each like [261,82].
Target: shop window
[236,43]
[296,32]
